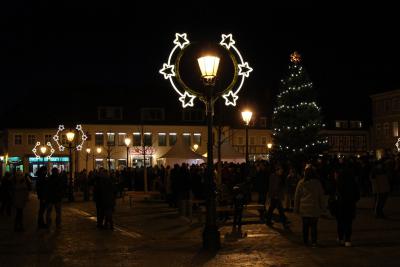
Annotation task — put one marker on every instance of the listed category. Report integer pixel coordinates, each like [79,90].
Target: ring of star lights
[82,135]
[52,150]
[398,145]
[170,71]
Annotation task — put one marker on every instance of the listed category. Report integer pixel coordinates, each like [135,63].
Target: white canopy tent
[181,153]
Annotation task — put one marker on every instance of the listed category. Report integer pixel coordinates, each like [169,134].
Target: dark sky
[64,55]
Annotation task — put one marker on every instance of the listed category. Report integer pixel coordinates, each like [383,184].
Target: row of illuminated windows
[347,143]
[252,140]
[31,139]
[387,129]
[148,139]
[113,139]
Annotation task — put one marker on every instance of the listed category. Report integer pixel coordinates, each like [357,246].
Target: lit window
[395,129]
[148,139]
[136,139]
[172,139]
[99,139]
[197,138]
[162,139]
[31,139]
[18,139]
[186,139]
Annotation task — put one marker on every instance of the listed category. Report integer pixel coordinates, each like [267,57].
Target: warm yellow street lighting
[70,136]
[98,150]
[88,150]
[195,147]
[246,115]
[43,150]
[269,145]
[127,141]
[208,67]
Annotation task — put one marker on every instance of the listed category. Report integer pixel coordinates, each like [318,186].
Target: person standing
[56,191]
[276,190]
[380,187]
[309,203]
[21,195]
[347,194]
[42,193]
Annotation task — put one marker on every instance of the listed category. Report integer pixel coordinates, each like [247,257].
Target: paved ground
[151,234]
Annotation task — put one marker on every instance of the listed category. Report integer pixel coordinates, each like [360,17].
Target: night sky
[68,55]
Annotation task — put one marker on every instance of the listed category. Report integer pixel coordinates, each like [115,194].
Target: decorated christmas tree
[297,117]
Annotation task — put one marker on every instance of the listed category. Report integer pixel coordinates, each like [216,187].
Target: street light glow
[195,147]
[246,115]
[98,150]
[269,145]
[43,150]
[88,150]
[70,136]
[127,141]
[208,66]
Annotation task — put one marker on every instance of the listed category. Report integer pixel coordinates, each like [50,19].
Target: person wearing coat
[21,194]
[348,194]
[56,191]
[309,203]
[380,187]
[276,191]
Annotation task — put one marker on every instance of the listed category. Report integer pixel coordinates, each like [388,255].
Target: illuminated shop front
[61,163]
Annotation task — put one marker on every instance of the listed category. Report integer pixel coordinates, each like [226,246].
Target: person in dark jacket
[42,193]
[6,194]
[56,191]
[276,189]
[21,195]
[107,199]
[348,194]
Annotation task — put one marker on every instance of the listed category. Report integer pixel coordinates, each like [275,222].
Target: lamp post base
[211,238]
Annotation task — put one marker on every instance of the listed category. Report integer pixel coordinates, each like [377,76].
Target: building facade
[108,149]
[385,121]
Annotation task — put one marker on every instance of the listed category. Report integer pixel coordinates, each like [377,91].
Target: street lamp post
[43,150]
[70,138]
[127,143]
[208,66]
[211,236]
[246,115]
[87,158]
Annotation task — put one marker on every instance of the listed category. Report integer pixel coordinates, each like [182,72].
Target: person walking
[20,197]
[347,195]
[56,191]
[309,203]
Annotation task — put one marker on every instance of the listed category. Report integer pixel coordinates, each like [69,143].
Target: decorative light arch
[52,150]
[170,70]
[79,146]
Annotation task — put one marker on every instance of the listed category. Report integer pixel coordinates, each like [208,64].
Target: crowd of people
[308,188]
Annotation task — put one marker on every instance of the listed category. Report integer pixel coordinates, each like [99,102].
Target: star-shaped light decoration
[84,137]
[79,147]
[187,99]
[398,145]
[230,98]
[167,71]
[79,127]
[245,69]
[61,128]
[62,148]
[55,138]
[227,40]
[181,40]
[295,57]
